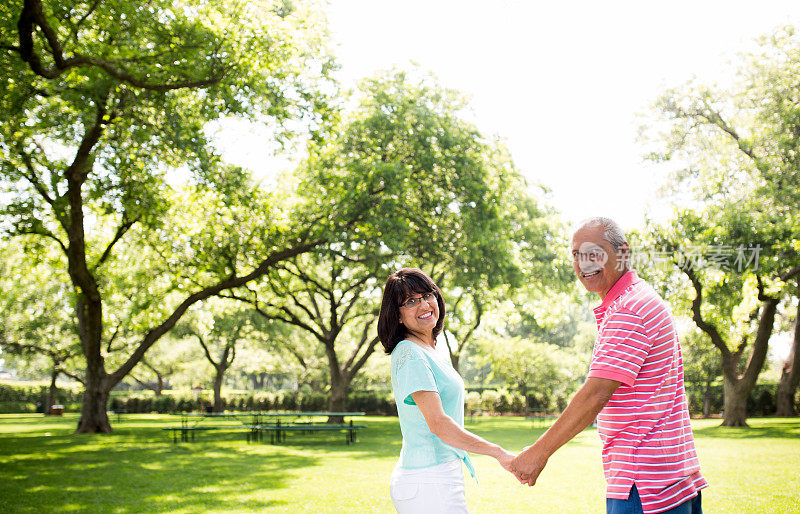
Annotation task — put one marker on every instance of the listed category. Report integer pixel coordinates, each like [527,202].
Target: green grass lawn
[44,467]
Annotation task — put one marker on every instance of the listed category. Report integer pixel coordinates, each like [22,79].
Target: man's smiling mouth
[588,274]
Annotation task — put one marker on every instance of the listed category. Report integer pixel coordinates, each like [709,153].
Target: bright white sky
[561,82]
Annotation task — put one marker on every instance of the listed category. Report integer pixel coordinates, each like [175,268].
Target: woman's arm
[446,429]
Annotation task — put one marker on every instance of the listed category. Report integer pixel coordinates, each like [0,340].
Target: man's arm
[579,414]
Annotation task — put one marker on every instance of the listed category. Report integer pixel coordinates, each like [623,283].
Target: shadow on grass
[45,467]
[112,473]
[777,429]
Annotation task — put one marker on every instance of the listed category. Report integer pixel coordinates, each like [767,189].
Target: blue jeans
[633,505]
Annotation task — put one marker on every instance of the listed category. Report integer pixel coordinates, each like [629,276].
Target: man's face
[597,264]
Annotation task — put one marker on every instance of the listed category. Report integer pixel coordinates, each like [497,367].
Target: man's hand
[529,464]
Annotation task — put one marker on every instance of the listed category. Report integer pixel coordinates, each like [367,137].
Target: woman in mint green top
[429,395]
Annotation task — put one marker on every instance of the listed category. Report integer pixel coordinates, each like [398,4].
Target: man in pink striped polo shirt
[634,388]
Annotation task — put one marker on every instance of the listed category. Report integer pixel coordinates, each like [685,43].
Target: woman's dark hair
[400,286]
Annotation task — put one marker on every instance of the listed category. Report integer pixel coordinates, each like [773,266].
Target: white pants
[434,490]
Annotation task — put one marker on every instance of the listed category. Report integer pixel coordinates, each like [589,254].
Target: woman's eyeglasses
[412,303]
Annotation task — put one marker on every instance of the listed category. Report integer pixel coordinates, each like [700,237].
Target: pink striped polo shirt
[647,439]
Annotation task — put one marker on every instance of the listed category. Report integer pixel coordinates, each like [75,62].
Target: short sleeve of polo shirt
[621,348]
[411,373]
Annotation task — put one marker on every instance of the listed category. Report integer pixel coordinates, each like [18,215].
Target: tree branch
[228,283]
[205,348]
[33,16]
[697,316]
[141,383]
[76,27]
[111,339]
[790,274]
[353,301]
[121,230]
[715,118]
[45,233]
[478,317]
[290,318]
[351,370]
[73,376]
[297,355]
[33,179]
[233,354]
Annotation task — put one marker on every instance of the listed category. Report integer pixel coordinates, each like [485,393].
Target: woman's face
[420,316]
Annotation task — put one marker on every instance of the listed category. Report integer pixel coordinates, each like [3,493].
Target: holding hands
[526,466]
[505,457]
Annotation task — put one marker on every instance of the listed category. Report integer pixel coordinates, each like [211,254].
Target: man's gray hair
[612,232]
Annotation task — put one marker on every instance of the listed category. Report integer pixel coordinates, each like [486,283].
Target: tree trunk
[735,410]
[707,400]
[159,385]
[52,391]
[790,376]
[454,359]
[338,399]
[218,405]
[737,389]
[94,418]
[94,415]
[258,381]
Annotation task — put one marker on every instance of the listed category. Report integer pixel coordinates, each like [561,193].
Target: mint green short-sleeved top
[416,369]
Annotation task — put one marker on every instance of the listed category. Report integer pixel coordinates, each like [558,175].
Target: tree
[427,190]
[700,366]
[160,372]
[443,197]
[790,374]
[524,242]
[218,331]
[543,371]
[36,320]
[738,151]
[733,294]
[328,299]
[99,99]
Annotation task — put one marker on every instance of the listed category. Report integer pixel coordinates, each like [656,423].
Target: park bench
[185,431]
[278,431]
[256,427]
[541,417]
[118,413]
[472,413]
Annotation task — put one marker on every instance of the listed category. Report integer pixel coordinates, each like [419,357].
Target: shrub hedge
[19,398]
[761,401]
[369,402]
[16,398]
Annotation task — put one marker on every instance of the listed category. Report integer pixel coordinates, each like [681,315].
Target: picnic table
[256,423]
[118,413]
[541,417]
